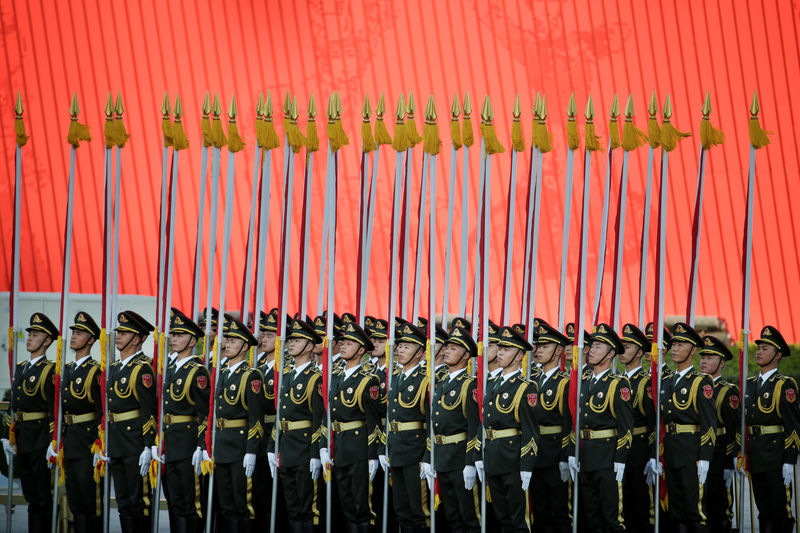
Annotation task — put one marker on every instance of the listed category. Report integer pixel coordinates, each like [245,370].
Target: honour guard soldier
[408,414]
[439,368]
[460,322]
[510,434]
[186,395]
[606,431]
[354,398]
[635,492]
[773,426]
[550,488]
[491,353]
[32,403]
[239,429]
[687,411]
[586,371]
[666,371]
[300,422]
[456,441]
[132,427]
[82,408]
[209,355]
[719,493]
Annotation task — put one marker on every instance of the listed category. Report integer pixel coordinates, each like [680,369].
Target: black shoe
[128,524]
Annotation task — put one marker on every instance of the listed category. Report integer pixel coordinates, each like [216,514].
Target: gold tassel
[400,143]
[573,141]
[670,136]
[103,349]
[653,132]
[10,339]
[271,140]
[411,127]
[592,141]
[235,142]
[613,134]
[430,136]
[455,134]
[758,137]
[517,140]
[60,460]
[336,135]
[536,132]
[217,136]
[382,136]
[205,127]
[77,132]
[179,140]
[166,129]
[545,139]
[295,137]
[312,137]
[261,133]
[709,135]
[12,435]
[491,143]
[206,467]
[19,131]
[121,134]
[467,133]
[59,354]
[108,133]
[632,137]
[367,141]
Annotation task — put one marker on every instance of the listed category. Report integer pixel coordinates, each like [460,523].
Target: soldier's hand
[144,461]
[652,471]
[51,456]
[249,464]
[788,474]
[373,468]
[99,457]
[479,469]
[619,471]
[426,472]
[197,459]
[728,474]
[272,459]
[526,479]
[563,469]
[154,453]
[315,467]
[470,473]
[573,467]
[9,450]
[384,462]
[702,471]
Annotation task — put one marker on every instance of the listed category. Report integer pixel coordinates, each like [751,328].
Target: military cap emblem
[627,329]
[179,320]
[36,319]
[123,318]
[507,333]
[708,341]
[680,329]
[767,331]
[369,322]
[602,329]
[318,321]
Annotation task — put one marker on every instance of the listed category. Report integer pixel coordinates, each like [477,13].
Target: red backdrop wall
[142,49]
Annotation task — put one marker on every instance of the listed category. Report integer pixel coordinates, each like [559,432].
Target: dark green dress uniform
[456,440]
[511,439]
[32,403]
[82,409]
[773,426]
[606,432]
[356,434]
[132,427]
[719,498]
[638,509]
[408,415]
[441,370]
[690,420]
[239,430]
[185,421]
[300,422]
[550,496]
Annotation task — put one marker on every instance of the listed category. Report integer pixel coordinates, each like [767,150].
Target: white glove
[426,473]
[373,468]
[51,454]
[470,473]
[9,449]
[728,474]
[479,468]
[384,462]
[315,467]
[738,468]
[144,461]
[619,471]
[272,459]
[652,471]
[788,474]
[702,471]
[325,459]
[99,457]
[563,469]
[249,464]
[526,479]
[197,459]
[574,468]
[154,454]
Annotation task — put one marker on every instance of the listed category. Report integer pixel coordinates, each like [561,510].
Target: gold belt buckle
[167,419]
[394,426]
[489,433]
[220,423]
[671,428]
[438,439]
[284,425]
[337,426]
[68,419]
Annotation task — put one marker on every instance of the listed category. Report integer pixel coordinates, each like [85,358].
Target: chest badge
[123,380]
[505,395]
[179,381]
[549,392]
[452,393]
[411,388]
[78,381]
[271,382]
[683,390]
[600,394]
[349,390]
[233,386]
[299,386]
[32,379]
[766,395]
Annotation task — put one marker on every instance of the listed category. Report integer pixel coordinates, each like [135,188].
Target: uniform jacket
[774,404]
[551,411]
[689,402]
[269,402]
[644,417]
[508,405]
[131,387]
[186,393]
[408,402]
[605,405]
[80,394]
[32,392]
[455,410]
[239,396]
[726,401]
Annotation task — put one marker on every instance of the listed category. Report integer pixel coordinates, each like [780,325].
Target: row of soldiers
[512,431]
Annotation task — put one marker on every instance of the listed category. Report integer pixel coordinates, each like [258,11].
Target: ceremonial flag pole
[517,145]
[13,330]
[758,139]
[477,294]
[121,138]
[654,136]
[614,141]
[455,136]
[405,235]
[312,145]
[529,205]
[166,128]
[414,139]
[365,214]
[205,127]
[572,140]
[709,136]
[592,145]
[77,132]
[468,138]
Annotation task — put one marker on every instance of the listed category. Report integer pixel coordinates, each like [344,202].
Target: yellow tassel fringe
[103,349]
[455,134]
[490,140]
[336,135]
[179,140]
[592,141]
[411,127]
[517,140]
[166,129]
[235,142]
[573,141]
[613,134]
[670,136]
[367,141]
[382,136]
[205,127]
[312,137]
[545,139]
[120,134]
[709,135]
[432,144]
[759,138]
[108,134]
[217,136]
[19,131]
[271,140]
[632,137]
[400,142]
[654,133]
[467,133]
[77,132]
[261,133]
[295,137]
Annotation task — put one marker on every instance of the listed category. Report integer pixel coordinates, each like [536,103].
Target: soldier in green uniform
[550,482]
[239,429]
[636,494]
[300,421]
[439,367]
[719,493]
[132,412]
[606,432]
[408,414]
[185,397]
[773,426]
[493,365]
[209,355]
[688,413]
[32,404]
[82,409]
[354,397]
[569,331]
[511,435]
[666,370]
[456,441]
